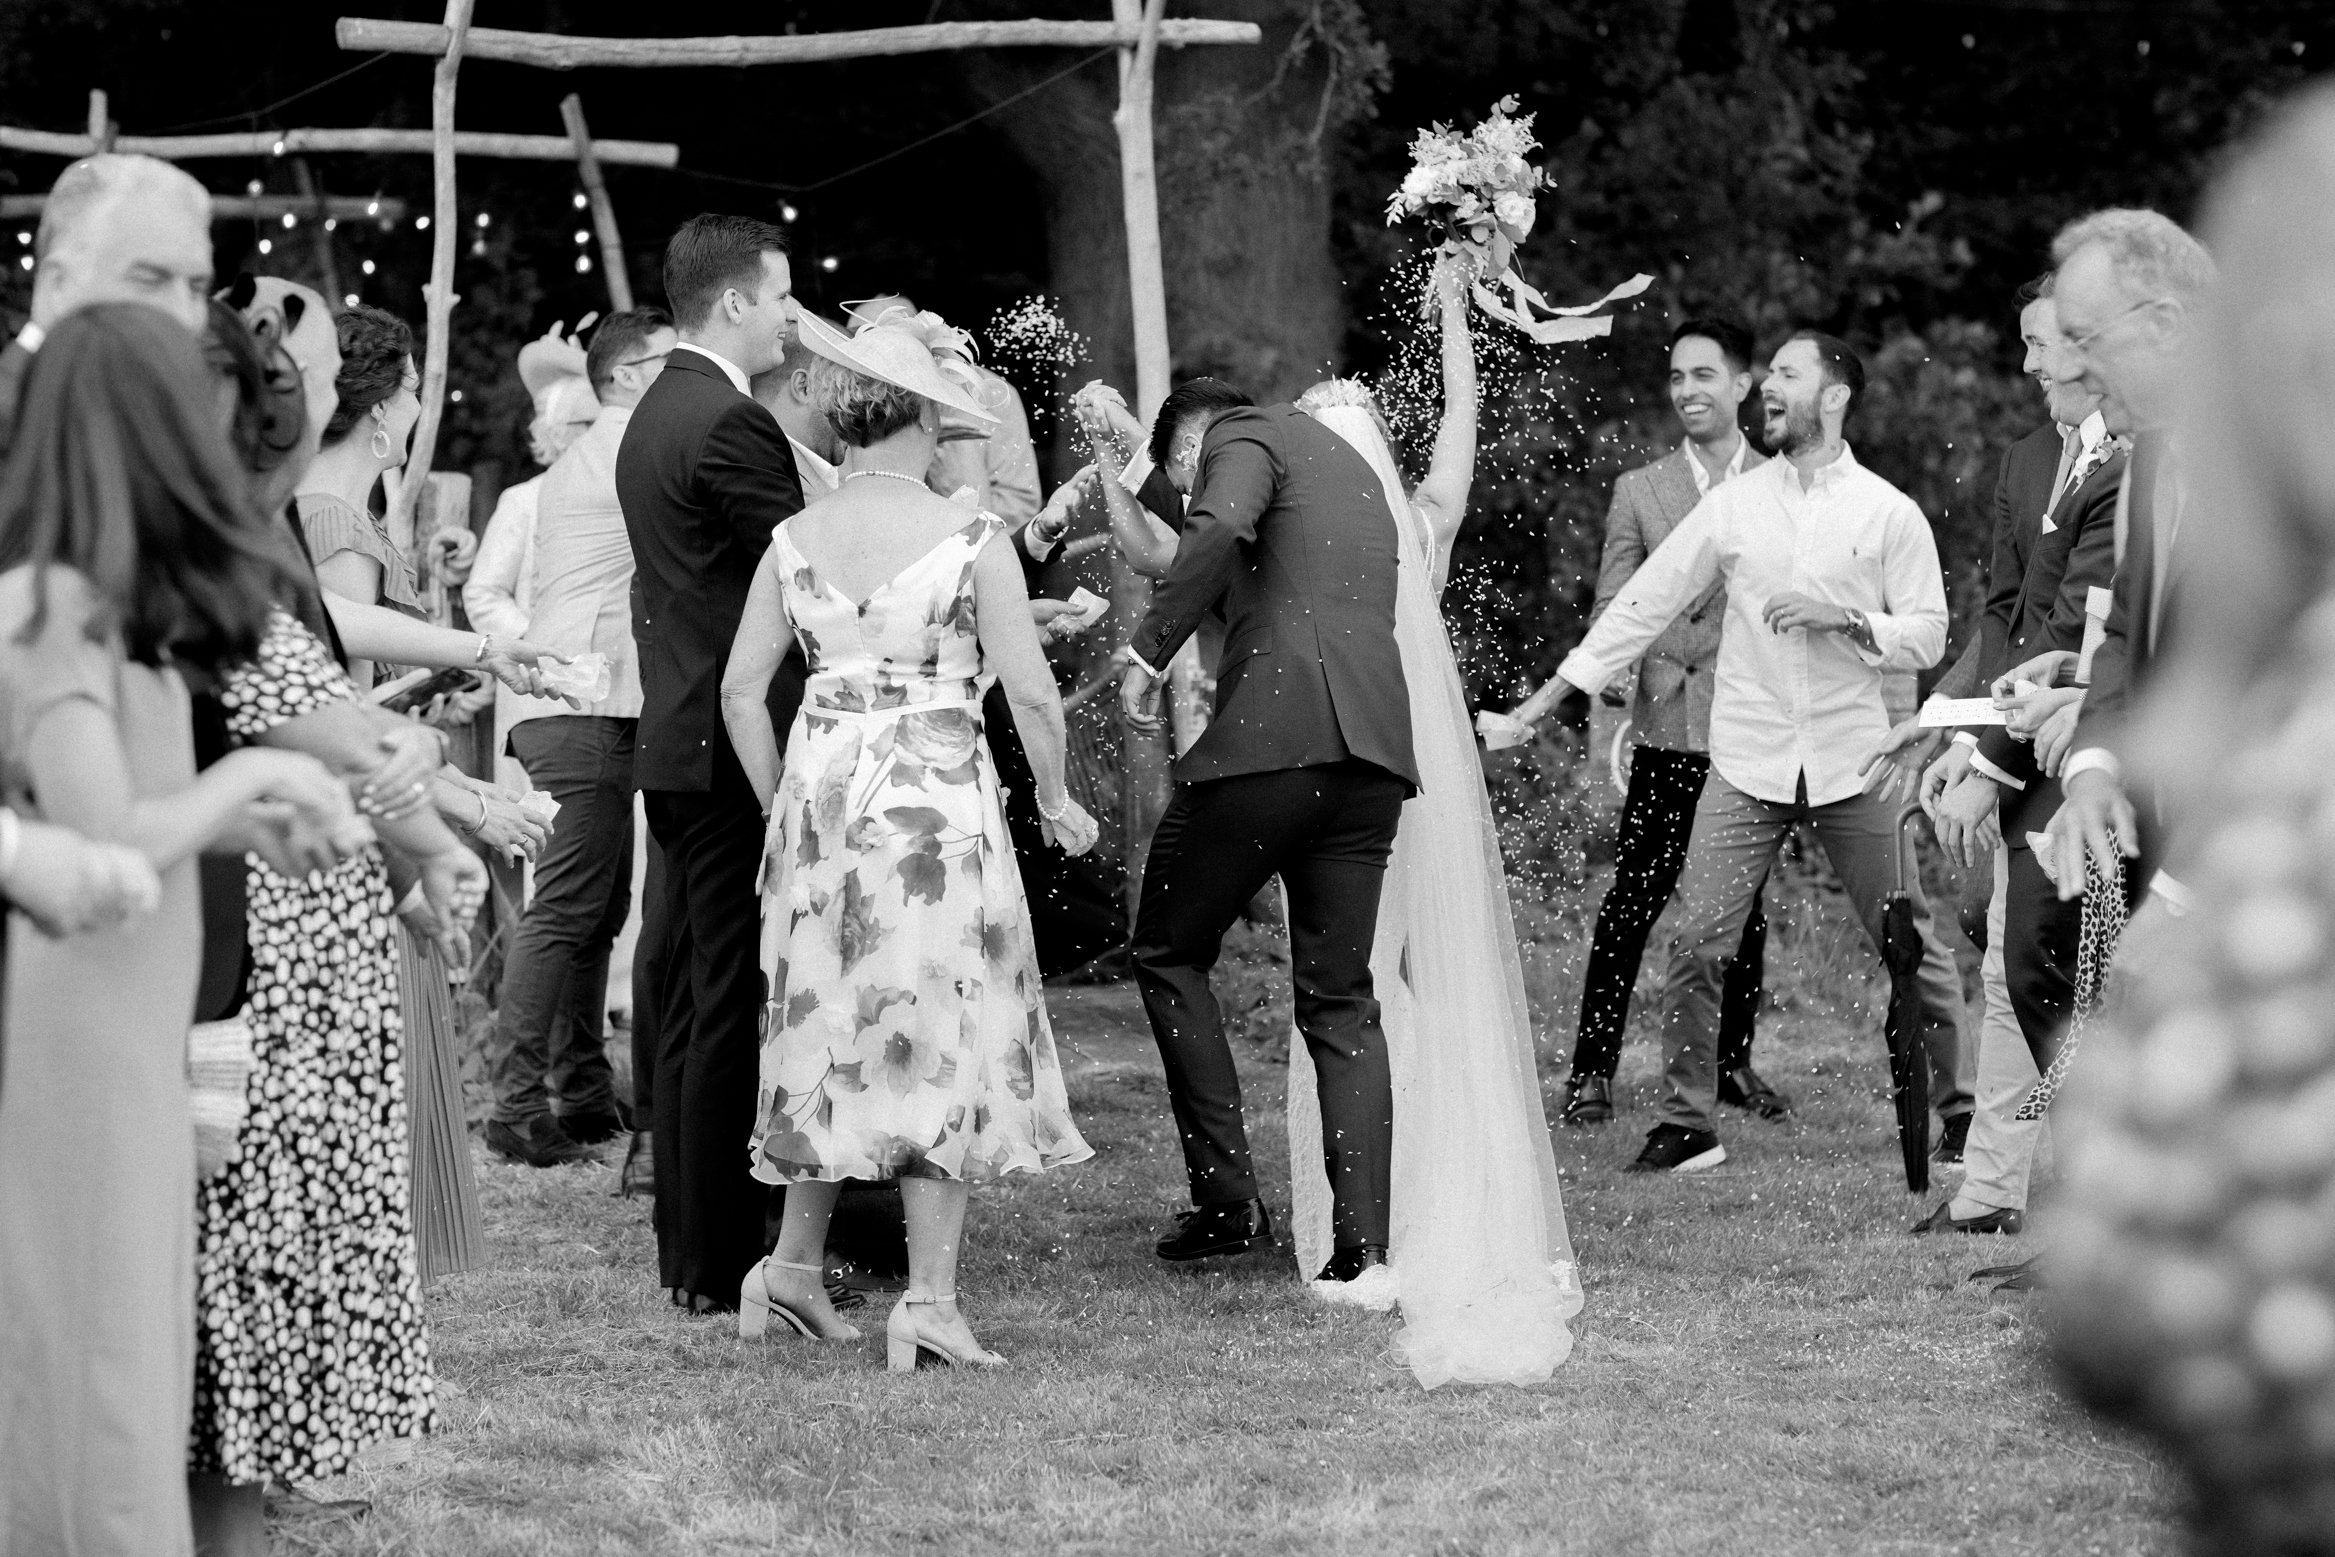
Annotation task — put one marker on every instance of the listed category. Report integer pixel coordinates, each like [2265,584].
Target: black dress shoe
[1743,1088]
[537,1142]
[1676,1149]
[1952,1139]
[593,1128]
[2003,1219]
[1227,1228]
[1588,1101]
[1347,1264]
[2026,1276]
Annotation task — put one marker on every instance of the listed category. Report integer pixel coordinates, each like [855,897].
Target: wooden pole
[1143,759]
[557,51]
[571,109]
[250,208]
[319,239]
[440,300]
[286,143]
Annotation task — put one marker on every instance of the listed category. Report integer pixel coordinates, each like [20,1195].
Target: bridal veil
[1482,1262]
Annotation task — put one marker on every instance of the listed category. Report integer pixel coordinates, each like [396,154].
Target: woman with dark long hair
[126,557]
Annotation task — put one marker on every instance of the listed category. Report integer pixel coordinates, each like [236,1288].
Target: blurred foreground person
[130,560]
[2198,1296]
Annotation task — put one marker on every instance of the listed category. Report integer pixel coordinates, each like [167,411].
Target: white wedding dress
[1483,1267]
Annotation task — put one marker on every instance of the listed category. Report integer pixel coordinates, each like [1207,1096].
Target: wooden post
[571,109]
[319,239]
[101,126]
[288,143]
[440,300]
[563,51]
[1143,759]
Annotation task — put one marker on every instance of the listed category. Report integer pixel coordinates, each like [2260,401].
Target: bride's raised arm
[1442,496]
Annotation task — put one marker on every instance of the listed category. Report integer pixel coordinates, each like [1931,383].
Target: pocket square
[2048,526]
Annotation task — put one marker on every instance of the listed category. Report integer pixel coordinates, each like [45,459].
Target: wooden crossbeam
[250,208]
[557,51]
[287,143]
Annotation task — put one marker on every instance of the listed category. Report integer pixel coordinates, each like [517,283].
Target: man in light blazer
[1670,729]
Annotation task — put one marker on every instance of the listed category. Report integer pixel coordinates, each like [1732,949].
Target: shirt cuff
[1037,550]
[2089,758]
[1136,659]
[1991,771]
[1965,738]
[1579,670]
[1136,471]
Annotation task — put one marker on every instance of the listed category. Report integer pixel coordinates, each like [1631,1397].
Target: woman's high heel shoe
[756,1305]
[904,1338]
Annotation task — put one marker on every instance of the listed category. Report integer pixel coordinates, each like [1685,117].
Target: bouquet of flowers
[1480,187]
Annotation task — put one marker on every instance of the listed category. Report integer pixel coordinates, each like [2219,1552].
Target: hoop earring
[380,439]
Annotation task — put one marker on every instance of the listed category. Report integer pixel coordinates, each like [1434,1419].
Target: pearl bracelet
[1059,812]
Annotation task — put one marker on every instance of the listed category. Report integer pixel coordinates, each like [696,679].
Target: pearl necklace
[893,474]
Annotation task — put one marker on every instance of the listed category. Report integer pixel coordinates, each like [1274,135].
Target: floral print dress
[309,1336]
[905,1034]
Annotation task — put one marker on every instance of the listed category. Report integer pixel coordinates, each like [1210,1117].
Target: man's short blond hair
[2153,255]
[87,190]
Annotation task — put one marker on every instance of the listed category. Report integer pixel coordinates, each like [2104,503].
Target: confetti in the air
[1029,342]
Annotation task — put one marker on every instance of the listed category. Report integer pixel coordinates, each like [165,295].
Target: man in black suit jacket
[2129,283]
[704,475]
[1303,773]
[2054,548]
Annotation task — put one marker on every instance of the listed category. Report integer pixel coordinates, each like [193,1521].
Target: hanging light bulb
[290,221]
[478,249]
[350,300]
[455,396]
[482,218]
[580,200]
[421,224]
[24,237]
[786,211]
[367,267]
[582,237]
[583,264]
[372,208]
[253,188]
[830,264]
[25,261]
[276,150]
[266,247]
[332,224]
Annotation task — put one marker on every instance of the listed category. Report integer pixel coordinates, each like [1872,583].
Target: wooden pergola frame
[1138,29]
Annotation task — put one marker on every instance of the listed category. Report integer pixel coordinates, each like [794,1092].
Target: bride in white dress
[1482,1264]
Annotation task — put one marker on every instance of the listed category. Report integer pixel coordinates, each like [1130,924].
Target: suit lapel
[1674,486]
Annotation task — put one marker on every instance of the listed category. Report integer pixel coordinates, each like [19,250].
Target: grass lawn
[1767,1363]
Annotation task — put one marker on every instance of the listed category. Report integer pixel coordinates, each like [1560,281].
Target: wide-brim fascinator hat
[899,355]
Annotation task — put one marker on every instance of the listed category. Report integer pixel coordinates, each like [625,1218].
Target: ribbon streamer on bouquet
[1524,302]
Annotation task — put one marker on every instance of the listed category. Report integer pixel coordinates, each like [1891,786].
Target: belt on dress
[898,711]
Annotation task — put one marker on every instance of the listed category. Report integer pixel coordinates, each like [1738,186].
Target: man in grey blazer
[1670,730]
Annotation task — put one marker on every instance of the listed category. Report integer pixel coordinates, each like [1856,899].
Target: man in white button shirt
[554,1091]
[1832,579]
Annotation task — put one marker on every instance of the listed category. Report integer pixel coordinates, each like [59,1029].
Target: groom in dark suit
[1303,774]
[704,475]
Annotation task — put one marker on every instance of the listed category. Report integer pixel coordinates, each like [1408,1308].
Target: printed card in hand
[585,678]
[1087,607]
[1501,732]
[1945,713]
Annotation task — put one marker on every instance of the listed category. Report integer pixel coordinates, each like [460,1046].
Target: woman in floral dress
[906,1034]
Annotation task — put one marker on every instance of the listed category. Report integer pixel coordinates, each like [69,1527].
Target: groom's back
[1310,673]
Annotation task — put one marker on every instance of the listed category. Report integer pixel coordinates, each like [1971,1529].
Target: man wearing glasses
[2129,284]
[554,1091]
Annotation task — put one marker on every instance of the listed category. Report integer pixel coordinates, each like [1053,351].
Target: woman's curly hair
[376,346]
[864,410]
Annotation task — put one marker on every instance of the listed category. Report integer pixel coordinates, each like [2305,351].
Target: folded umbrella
[1909,1072]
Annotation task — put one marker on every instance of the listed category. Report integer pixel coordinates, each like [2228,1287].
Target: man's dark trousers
[1649,853]
[708,1053]
[549,1030]
[1327,832]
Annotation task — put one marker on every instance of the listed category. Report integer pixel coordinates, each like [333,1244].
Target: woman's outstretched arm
[1442,497]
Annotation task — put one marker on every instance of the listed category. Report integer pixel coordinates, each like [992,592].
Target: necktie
[2071,448]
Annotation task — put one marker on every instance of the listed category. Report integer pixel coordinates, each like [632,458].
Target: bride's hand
[1074,832]
[1501,731]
